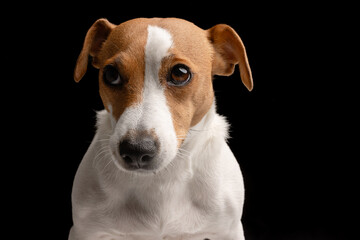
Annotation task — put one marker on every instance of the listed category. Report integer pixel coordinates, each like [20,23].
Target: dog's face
[155,80]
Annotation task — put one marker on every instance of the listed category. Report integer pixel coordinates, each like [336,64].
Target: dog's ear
[95,37]
[229,51]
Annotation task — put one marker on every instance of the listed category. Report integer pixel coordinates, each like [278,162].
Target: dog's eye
[111,76]
[180,75]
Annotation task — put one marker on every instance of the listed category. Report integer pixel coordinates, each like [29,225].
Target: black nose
[138,152]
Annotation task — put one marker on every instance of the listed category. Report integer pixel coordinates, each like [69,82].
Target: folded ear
[229,51]
[95,37]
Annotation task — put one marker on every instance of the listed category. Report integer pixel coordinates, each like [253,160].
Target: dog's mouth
[144,166]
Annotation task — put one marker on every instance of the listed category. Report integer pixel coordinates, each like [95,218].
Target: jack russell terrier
[159,166]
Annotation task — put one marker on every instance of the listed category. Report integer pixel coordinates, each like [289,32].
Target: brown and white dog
[159,166]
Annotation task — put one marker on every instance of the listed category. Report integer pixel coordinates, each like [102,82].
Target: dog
[159,167]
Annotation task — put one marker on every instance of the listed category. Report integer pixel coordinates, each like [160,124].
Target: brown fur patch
[125,49]
[205,52]
[188,104]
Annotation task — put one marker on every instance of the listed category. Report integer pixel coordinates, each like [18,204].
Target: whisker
[103,140]
[107,156]
[183,154]
[108,163]
[101,155]
[183,157]
[186,151]
[101,151]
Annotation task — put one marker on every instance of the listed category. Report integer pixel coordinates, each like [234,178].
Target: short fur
[194,190]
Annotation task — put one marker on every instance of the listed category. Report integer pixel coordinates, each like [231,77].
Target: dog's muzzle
[138,151]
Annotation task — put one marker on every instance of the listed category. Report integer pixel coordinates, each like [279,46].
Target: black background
[290,134]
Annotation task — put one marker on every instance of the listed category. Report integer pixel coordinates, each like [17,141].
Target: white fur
[199,195]
[196,194]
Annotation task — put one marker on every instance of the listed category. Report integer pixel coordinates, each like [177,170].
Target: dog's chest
[160,212]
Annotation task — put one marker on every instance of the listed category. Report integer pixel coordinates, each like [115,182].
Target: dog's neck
[205,141]
[212,125]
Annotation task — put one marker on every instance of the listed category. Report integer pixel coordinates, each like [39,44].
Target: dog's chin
[155,167]
[150,169]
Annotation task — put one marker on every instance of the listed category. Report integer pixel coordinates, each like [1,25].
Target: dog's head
[155,80]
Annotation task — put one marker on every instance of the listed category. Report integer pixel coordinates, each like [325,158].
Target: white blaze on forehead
[154,103]
[156,114]
[159,41]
